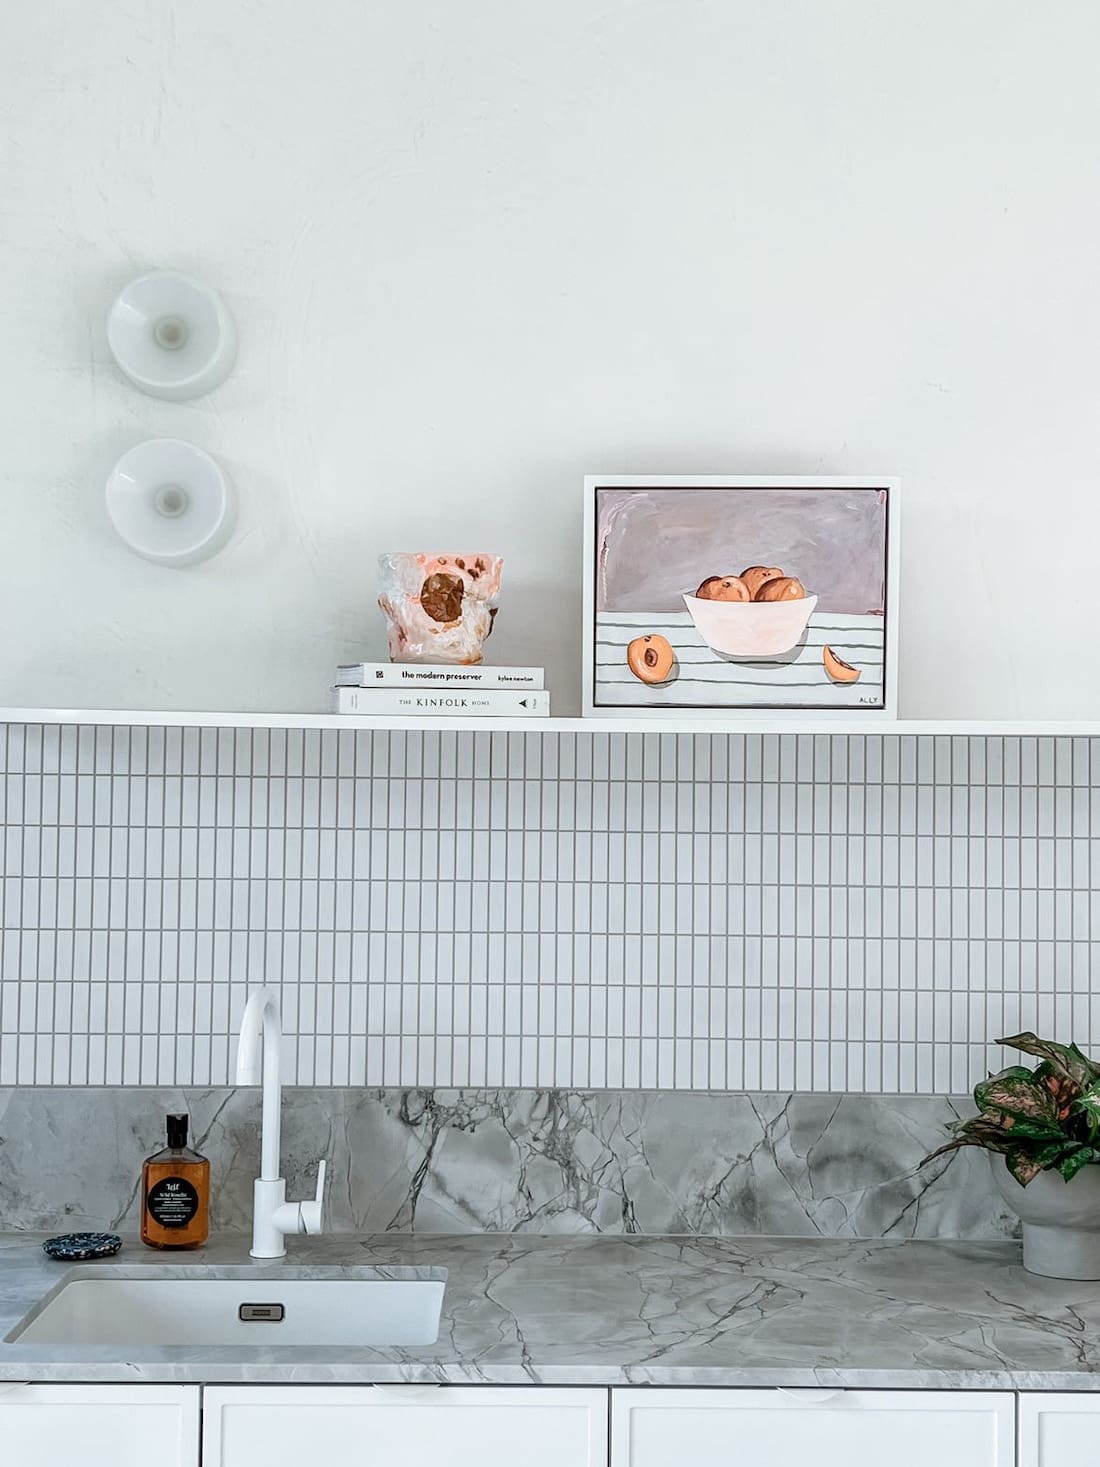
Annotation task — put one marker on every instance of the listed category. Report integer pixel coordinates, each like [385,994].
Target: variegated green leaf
[1083,1156]
[1066,1059]
[1053,1152]
[986,1127]
[976,1132]
[1087,1104]
[1059,1086]
[1019,1104]
[1023,1167]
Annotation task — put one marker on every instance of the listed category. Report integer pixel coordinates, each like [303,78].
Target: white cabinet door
[778,1428]
[404,1426]
[99,1426]
[1056,1430]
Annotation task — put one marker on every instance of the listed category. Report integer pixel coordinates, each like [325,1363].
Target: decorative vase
[1061,1220]
[439,608]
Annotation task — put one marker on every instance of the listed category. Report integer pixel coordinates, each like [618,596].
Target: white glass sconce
[172,336]
[171,502]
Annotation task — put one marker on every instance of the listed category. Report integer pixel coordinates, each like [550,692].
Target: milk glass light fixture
[172,336]
[171,502]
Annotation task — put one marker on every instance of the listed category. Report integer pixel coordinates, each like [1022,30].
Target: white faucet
[272,1215]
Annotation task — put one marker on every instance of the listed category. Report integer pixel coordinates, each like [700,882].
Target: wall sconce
[171,502]
[172,336]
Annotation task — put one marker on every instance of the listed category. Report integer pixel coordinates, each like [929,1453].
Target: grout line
[1008,845]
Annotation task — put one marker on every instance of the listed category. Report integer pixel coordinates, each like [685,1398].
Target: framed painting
[718,595]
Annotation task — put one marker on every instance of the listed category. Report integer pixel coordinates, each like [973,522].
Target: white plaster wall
[476,249]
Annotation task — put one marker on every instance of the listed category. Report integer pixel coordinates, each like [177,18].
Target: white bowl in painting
[751,628]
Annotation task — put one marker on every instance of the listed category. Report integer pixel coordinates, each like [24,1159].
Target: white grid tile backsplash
[522,909]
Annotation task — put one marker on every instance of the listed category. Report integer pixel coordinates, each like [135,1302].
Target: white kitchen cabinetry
[775,1428]
[99,1426]
[1058,1429]
[404,1426]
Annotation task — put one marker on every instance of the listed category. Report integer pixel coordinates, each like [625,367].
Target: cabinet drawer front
[404,1426]
[1058,1429]
[666,1428]
[99,1426]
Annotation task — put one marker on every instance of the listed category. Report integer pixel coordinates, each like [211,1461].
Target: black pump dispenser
[177,1132]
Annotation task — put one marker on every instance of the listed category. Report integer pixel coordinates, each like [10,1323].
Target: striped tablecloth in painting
[706,679]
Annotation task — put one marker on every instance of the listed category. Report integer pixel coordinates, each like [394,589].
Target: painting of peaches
[713,595]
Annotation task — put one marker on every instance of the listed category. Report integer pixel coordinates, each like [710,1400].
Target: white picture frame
[826,704]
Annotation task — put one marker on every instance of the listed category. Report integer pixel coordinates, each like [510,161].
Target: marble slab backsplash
[547,1161]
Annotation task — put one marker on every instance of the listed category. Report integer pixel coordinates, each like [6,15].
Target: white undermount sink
[186,1306]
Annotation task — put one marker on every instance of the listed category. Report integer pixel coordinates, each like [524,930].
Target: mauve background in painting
[654,544]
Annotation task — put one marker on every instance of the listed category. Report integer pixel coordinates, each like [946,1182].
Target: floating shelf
[809,724]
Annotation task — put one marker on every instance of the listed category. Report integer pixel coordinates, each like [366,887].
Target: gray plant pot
[1061,1220]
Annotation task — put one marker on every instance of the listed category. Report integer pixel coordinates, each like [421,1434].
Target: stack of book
[393,689]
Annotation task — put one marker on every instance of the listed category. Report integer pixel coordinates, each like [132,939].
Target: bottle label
[172,1202]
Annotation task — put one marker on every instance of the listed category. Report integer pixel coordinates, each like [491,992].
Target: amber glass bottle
[175,1191]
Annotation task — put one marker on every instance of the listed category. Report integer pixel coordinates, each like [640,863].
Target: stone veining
[546,1161]
[623,1309]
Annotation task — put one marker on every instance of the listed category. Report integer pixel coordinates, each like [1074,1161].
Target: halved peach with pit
[651,659]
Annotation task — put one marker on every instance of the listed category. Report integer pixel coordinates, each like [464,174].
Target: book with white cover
[435,675]
[434,702]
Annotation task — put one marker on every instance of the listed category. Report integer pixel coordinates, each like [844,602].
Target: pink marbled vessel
[439,608]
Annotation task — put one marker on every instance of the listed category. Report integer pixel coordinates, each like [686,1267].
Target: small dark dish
[74,1247]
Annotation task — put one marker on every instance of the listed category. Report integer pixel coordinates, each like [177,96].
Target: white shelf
[807,724]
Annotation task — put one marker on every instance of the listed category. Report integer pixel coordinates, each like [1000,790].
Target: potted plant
[1045,1123]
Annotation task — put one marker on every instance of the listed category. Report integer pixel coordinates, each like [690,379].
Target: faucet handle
[310,1212]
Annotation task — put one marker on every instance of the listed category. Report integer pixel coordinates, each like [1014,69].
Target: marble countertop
[602,1310]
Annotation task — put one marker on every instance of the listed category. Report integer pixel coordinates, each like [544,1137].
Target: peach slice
[839,670]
